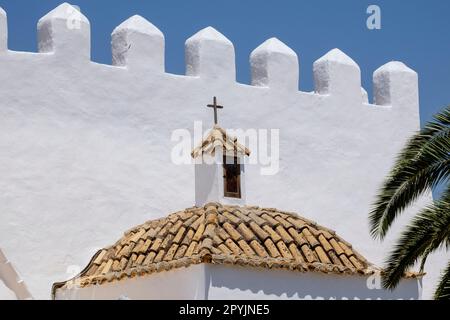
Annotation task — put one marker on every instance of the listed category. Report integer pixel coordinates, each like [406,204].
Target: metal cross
[215,106]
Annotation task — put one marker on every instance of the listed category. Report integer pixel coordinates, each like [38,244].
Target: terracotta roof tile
[180,252]
[297,237]
[100,257]
[346,261]
[322,255]
[159,256]
[116,265]
[188,237]
[149,258]
[191,249]
[179,235]
[222,247]
[260,232]
[123,263]
[334,258]
[197,221]
[246,248]
[232,218]
[246,232]
[310,238]
[247,236]
[222,233]
[156,244]
[257,219]
[284,234]
[236,236]
[270,246]
[296,253]
[336,247]
[199,232]
[309,254]
[325,244]
[166,242]
[107,266]
[346,249]
[176,227]
[243,217]
[139,260]
[259,249]
[233,246]
[286,224]
[218,138]
[282,248]
[275,236]
[355,262]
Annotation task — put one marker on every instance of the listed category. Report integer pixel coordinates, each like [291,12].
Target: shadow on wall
[241,283]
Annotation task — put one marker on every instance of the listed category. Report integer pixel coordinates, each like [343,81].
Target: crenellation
[3,31]
[338,75]
[365,96]
[396,85]
[275,65]
[210,55]
[65,31]
[137,43]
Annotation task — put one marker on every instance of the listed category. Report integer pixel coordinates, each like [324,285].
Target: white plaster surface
[65,31]
[220,282]
[203,60]
[209,184]
[85,148]
[178,284]
[275,65]
[226,282]
[3,30]
[137,43]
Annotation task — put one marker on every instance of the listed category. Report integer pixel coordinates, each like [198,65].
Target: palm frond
[423,164]
[443,289]
[428,231]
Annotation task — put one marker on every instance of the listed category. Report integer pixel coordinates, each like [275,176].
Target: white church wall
[220,282]
[179,284]
[85,148]
[260,284]
[206,183]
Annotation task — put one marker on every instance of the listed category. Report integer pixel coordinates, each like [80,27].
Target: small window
[231,178]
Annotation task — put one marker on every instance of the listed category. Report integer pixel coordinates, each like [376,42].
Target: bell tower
[219,167]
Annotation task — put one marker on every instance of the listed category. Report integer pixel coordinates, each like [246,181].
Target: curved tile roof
[218,138]
[220,234]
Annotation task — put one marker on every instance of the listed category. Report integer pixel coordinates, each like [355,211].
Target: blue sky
[414,31]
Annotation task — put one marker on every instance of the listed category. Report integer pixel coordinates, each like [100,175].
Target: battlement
[138,45]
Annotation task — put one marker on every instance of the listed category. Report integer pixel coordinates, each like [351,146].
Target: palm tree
[423,164]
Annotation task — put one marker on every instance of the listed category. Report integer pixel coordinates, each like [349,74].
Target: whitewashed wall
[220,282]
[178,284]
[85,148]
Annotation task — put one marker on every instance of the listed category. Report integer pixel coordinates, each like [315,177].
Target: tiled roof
[218,138]
[219,234]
